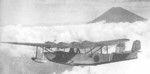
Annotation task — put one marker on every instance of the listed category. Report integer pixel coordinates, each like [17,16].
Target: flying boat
[83,53]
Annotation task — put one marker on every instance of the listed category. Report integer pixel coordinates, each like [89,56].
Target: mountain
[118,14]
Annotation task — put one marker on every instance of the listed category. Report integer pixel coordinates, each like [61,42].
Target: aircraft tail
[136,46]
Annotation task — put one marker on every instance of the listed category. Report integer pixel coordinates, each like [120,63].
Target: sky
[65,20]
[51,12]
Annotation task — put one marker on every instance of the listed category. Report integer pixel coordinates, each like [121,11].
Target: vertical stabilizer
[136,46]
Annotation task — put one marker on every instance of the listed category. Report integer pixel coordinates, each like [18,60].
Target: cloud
[68,33]
[141,65]
[138,0]
[30,12]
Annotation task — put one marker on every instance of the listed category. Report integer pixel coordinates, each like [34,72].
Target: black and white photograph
[74,37]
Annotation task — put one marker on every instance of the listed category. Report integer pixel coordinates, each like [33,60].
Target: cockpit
[71,50]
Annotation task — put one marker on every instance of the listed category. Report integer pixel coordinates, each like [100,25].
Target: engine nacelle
[38,60]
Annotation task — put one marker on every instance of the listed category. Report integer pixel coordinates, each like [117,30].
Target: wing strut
[98,49]
[91,50]
[39,55]
[36,54]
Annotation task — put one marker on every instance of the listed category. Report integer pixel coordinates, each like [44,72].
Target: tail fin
[136,46]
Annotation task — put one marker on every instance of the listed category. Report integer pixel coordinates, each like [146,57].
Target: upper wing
[82,45]
[32,44]
[89,44]
[111,42]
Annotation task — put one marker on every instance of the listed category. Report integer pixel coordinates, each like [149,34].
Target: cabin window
[105,50]
[111,49]
[120,48]
[67,49]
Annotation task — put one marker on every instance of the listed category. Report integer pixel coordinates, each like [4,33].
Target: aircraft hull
[85,59]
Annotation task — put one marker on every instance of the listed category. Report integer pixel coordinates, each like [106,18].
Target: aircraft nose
[49,55]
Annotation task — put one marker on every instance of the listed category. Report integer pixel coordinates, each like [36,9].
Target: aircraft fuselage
[88,59]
